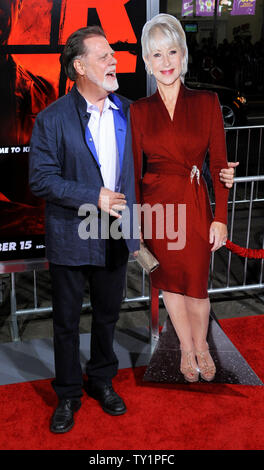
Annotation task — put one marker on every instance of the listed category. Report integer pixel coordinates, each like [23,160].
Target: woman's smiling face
[165,60]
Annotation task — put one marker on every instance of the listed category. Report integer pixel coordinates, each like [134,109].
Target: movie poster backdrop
[32,36]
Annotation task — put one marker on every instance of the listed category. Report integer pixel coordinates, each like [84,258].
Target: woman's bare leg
[198,313]
[176,308]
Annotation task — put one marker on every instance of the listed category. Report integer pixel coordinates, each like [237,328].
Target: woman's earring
[148,69]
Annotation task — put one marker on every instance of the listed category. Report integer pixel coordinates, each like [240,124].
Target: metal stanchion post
[154,316]
[13,304]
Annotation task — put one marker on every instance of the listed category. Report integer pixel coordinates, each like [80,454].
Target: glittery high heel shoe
[191,373]
[206,365]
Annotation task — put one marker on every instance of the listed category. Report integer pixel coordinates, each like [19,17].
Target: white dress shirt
[102,129]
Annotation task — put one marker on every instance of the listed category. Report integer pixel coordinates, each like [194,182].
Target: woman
[175,128]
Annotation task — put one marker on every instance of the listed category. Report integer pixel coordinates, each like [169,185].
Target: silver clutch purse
[146,259]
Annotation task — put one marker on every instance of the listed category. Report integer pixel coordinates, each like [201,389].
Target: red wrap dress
[177,213]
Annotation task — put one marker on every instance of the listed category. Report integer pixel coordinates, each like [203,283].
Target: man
[81,153]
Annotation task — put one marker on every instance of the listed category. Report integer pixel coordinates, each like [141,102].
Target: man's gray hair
[75,48]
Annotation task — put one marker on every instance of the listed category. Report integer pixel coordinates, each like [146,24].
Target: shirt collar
[107,104]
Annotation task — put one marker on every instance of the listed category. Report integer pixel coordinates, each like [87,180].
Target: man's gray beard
[105,85]
[113,87]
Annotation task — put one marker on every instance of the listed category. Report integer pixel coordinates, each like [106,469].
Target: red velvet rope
[244,252]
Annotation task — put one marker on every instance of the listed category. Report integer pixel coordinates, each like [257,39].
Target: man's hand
[110,202]
[227,174]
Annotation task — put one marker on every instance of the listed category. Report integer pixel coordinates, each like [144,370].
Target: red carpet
[159,417]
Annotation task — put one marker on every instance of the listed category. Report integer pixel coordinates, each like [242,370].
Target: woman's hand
[217,235]
[141,241]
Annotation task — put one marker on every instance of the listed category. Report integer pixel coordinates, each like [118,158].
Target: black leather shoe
[62,419]
[108,398]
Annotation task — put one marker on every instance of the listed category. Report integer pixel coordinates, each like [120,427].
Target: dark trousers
[106,292]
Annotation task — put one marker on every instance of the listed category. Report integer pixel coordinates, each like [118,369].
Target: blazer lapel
[120,127]
[84,119]
[120,122]
[90,143]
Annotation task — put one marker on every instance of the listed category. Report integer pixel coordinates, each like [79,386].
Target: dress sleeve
[218,160]
[137,151]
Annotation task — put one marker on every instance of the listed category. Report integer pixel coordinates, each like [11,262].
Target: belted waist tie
[166,169]
[194,193]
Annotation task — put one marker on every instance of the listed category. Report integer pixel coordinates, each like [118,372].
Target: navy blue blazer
[64,170]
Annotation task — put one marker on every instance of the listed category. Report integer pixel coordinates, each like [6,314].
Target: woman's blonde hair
[172,32]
